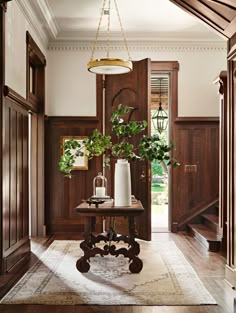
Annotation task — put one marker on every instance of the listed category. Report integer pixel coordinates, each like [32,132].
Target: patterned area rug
[166,279]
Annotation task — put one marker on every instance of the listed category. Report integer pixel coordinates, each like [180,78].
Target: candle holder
[100,186]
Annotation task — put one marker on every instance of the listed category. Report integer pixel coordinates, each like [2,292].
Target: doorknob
[143,177]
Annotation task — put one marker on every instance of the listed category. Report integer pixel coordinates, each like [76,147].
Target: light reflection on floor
[159,217]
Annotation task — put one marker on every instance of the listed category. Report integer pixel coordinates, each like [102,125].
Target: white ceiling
[75,20]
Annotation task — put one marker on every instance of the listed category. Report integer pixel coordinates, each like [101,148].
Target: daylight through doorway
[159,174]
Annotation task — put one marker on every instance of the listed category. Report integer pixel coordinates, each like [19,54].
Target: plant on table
[148,147]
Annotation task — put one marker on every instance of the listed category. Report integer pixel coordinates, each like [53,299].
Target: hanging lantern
[160,117]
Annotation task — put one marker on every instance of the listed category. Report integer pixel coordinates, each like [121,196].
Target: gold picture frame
[81,162]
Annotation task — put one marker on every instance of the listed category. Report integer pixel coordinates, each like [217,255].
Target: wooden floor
[208,265]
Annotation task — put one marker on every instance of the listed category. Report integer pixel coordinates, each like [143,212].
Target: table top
[108,209]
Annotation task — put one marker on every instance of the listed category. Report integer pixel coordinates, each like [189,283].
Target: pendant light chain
[160,94]
[122,30]
[98,29]
[108,28]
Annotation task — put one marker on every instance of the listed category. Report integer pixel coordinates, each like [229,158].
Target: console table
[89,244]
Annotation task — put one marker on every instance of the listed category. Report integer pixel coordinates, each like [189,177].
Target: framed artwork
[81,162]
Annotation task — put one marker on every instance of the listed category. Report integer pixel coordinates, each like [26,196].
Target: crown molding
[139,46]
[38,13]
[43,9]
[139,36]
[33,20]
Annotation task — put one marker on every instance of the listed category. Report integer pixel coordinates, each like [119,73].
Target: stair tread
[205,232]
[211,217]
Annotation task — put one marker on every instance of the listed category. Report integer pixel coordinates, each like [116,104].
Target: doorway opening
[159,111]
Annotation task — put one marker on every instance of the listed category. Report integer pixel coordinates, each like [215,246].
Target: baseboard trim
[230,276]
[20,254]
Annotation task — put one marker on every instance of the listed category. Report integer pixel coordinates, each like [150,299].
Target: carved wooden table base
[89,247]
[90,250]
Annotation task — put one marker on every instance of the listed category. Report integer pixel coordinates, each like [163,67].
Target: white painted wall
[16,27]
[71,89]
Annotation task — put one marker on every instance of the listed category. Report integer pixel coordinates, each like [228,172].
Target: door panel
[132,89]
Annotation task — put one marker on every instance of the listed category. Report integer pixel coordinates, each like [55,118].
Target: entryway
[159,173]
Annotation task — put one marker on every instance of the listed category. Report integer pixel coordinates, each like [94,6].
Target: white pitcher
[122,195]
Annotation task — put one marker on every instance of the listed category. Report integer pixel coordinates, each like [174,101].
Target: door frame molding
[2,83]
[35,58]
[170,68]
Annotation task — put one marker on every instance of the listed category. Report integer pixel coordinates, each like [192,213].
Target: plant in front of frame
[148,148]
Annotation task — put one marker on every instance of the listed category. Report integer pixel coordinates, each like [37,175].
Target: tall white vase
[122,195]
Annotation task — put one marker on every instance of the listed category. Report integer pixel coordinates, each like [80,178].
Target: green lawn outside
[158,187]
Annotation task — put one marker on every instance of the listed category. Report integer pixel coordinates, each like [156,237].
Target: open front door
[132,89]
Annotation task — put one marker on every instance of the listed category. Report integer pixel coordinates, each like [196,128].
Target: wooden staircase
[205,228]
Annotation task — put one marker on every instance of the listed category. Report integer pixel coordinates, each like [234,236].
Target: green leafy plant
[157,169]
[148,148]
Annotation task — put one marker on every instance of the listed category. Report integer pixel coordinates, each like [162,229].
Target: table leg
[136,264]
[133,249]
[90,249]
[89,246]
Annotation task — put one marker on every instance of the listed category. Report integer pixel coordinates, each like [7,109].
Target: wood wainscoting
[196,142]
[15,240]
[15,235]
[63,194]
[195,183]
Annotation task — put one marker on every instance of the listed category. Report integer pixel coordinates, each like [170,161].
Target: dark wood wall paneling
[197,144]
[15,235]
[62,194]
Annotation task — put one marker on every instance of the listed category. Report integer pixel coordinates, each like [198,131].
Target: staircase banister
[197,212]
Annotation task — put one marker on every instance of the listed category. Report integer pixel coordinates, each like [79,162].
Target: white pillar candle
[100,191]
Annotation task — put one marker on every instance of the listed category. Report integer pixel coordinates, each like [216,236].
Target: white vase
[122,195]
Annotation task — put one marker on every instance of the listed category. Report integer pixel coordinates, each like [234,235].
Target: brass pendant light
[108,65]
